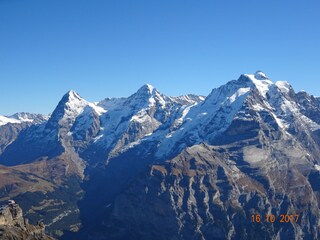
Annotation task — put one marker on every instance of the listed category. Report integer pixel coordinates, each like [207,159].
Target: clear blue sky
[109,48]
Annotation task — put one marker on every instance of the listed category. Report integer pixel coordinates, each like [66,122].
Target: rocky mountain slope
[189,167]
[14,226]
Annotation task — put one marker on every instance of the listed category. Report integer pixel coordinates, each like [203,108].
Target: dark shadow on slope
[103,184]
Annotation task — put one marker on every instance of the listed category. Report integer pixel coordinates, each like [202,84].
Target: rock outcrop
[14,227]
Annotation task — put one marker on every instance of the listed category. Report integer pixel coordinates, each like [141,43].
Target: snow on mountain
[207,118]
[184,112]
[249,122]
[116,124]
[96,108]
[284,86]
[259,75]
[279,100]
[261,83]
[21,117]
[146,97]
[188,99]
[128,120]
[205,121]
[69,108]
[29,117]
[73,107]
[5,120]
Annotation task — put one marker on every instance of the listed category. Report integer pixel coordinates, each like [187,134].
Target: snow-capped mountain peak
[146,89]
[73,95]
[74,104]
[149,87]
[250,143]
[69,107]
[146,97]
[260,81]
[259,75]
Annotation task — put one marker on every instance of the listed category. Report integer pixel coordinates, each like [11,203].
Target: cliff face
[14,227]
[203,194]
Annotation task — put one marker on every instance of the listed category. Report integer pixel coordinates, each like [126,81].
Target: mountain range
[151,166]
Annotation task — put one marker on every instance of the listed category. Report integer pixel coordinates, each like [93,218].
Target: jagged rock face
[83,129]
[11,215]
[210,192]
[13,226]
[309,105]
[156,167]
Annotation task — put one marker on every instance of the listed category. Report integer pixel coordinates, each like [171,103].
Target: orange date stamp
[271,218]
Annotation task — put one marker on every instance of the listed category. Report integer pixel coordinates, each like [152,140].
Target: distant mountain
[22,117]
[10,126]
[151,166]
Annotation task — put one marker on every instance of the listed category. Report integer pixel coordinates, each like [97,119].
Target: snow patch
[257,107]
[281,123]
[140,117]
[150,87]
[99,110]
[263,86]
[22,117]
[238,93]
[5,120]
[283,86]
[181,119]
[97,138]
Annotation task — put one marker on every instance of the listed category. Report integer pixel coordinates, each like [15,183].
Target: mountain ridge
[195,154]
